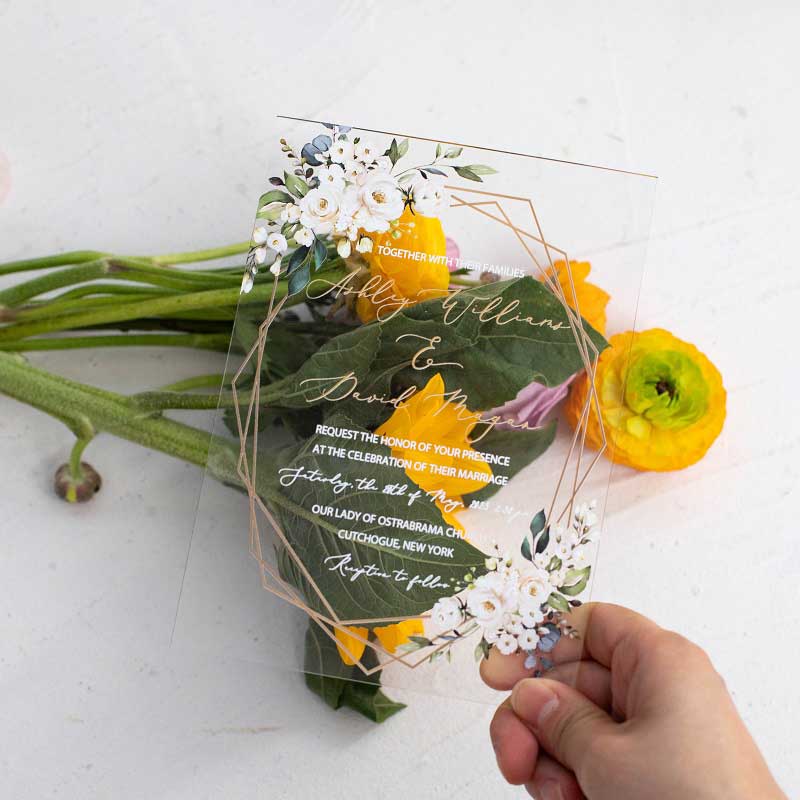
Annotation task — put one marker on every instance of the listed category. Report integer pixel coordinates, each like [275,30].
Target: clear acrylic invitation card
[403,476]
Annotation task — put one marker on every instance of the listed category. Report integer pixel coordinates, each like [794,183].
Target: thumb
[567,725]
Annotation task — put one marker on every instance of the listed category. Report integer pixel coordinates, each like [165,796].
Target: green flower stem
[81,256]
[58,260]
[104,289]
[89,271]
[199,341]
[212,300]
[203,255]
[75,457]
[156,307]
[79,406]
[64,308]
[214,381]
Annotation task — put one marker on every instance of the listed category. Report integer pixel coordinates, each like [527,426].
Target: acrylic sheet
[407,473]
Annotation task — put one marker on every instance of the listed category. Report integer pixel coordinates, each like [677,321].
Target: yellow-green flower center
[667,388]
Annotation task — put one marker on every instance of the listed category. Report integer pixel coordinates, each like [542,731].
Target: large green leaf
[492,361]
[314,536]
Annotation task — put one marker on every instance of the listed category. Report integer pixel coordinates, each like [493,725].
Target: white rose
[304,237]
[277,241]
[534,591]
[429,195]
[290,213]
[341,151]
[366,151]
[319,208]
[492,599]
[332,176]
[507,644]
[381,201]
[447,614]
[260,234]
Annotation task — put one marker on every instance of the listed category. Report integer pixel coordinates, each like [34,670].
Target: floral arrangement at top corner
[343,195]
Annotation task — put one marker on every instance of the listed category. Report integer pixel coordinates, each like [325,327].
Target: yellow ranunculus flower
[393,636]
[592,300]
[403,280]
[662,401]
[428,417]
[346,642]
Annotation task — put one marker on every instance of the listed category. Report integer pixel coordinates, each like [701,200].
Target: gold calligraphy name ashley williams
[496,310]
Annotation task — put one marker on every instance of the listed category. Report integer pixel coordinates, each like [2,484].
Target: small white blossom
[290,213]
[341,151]
[260,255]
[247,282]
[343,247]
[275,269]
[304,237]
[364,245]
[507,644]
[366,151]
[277,241]
[447,614]
[532,617]
[384,163]
[428,194]
[352,169]
[528,640]
[491,564]
[332,176]
[260,234]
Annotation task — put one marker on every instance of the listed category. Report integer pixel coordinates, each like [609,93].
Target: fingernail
[550,790]
[533,701]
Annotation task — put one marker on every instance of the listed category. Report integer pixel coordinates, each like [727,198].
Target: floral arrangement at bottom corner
[521,609]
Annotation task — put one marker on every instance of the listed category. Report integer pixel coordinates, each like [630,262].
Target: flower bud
[77,489]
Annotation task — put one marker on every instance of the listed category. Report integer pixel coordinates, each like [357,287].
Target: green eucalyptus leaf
[558,603]
[320,253]
[525,549]
[274,196]
[538,523]
[481,169]
[298,280]
[295,184]
[466,172]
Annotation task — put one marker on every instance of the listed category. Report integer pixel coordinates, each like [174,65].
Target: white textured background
[140,127]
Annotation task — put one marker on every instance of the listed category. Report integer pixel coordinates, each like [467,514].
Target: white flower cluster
[349,192]
[511,607]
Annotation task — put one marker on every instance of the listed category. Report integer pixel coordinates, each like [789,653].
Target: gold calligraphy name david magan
[344,387]
[381,292]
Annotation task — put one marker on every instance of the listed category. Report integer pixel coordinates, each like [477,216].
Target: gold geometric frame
[490,205]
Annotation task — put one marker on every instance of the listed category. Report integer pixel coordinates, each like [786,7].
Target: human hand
[630,711]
